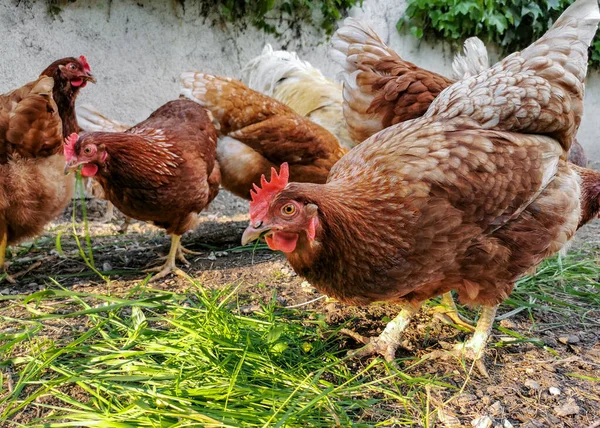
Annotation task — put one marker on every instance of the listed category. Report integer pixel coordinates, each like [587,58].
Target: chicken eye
[288,209]
[87,150]
[72,66]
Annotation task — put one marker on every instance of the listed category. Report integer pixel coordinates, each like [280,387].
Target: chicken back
[468,197]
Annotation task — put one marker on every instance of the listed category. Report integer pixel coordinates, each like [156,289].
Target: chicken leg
[176,252]
[388,341]
[447,312]
[3,245]
[473,348]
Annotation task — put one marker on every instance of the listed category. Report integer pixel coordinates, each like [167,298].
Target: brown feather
[259,132]
[163,169]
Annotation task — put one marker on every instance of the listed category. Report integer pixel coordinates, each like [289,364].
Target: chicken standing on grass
[162,170]
[382,89]
[468,197]
[33,190]
[259,132]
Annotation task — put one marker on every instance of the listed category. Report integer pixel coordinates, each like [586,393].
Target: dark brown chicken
[162,170]
[258,132]
[382,89]
[468,197]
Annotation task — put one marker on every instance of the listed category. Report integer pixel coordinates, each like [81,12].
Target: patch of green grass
[157,358]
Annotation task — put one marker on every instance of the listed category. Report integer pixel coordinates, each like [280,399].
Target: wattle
[77,82]
[282,241]
[89,170]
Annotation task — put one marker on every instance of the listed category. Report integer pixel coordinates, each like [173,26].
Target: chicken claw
[447,312]
[388,341]
[170,266]
[474,348]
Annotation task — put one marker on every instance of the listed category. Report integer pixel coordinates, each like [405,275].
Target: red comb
[85,64]
[69,147]
[261,196]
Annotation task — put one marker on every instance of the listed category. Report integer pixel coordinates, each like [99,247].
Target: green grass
[163,359]
[154,358]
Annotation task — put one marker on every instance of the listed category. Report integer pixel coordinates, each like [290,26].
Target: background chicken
[259,132]
[468,197]
[296,83]
[33,189]
[162,170]
[381,89]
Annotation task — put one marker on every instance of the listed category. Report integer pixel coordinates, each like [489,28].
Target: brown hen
[259,132]
[163,170]
[382,89]
[33,190]
[468,197]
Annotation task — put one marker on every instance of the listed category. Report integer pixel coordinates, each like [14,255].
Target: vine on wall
[263,14]
[512,24]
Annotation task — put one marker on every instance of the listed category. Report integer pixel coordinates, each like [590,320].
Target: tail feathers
[473,61]
[91,120]
[538,90]
[232,103]
[267,70]
[566,43]
[356,46]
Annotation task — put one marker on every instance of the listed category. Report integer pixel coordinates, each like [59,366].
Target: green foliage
[512,24]
[265,14]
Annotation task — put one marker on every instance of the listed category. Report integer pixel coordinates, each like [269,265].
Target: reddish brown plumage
[380,88]
[590,194]
[162,170]
[259,132]
[465,198]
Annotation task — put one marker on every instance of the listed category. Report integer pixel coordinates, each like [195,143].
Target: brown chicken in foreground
[468,197]
[162,170]
[33,190]
[258,133]
[382,89]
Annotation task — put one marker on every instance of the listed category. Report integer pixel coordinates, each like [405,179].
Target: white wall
[137,52]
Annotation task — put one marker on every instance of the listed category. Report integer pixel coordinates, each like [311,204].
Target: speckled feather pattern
[259,132]
[380,88]
[461,198]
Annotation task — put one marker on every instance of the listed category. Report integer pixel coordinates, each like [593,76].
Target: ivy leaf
[533,9]
[417,32]
[465,7]
[553,4]
[499,21]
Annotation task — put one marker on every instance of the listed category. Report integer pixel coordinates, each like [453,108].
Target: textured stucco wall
[137,50]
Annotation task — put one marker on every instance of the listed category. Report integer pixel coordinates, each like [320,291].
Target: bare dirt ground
[529,386]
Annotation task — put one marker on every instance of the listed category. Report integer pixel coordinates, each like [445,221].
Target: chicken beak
[70,166]
[90,78]
[253,233]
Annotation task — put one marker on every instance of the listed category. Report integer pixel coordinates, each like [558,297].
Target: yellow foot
[125,225]
[373,346]
[453,318]
[164,270]
[13,278]
[463,351]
